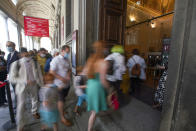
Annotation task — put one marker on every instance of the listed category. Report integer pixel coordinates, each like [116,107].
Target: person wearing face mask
[13,54]
[12,57]
[26,74]
[60,68]
[54,52]
[41,59]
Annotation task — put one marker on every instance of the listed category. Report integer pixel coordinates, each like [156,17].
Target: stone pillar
[179,110]
[88,27]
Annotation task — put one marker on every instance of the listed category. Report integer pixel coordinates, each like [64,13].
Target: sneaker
[66,122]
[36,116]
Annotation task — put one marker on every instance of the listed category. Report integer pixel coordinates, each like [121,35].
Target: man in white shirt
[136,80]
[60,68]
[118,66]
[26,74]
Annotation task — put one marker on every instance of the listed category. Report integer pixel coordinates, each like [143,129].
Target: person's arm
[82,87]
[45,103]
[13,74]
[47,65]
[103,72]
[58,76]
[122,65]
[53,68]
[68,76]
[109,57]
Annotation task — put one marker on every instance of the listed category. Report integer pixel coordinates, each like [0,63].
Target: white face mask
[42,55]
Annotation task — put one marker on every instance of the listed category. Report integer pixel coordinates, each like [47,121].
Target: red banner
[36,26]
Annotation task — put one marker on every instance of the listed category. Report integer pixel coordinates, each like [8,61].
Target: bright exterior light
[23,13]
[132,18]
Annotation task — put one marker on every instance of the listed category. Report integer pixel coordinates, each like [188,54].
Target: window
[36,45]
[14,1]
[3,34]
[46,43]
[27,42]
[31,43]
[23,39]
[13,32]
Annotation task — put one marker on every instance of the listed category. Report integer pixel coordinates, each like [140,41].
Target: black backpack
[110,67]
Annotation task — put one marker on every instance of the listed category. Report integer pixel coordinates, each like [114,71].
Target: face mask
[66,55]
[10,49]
[42,55]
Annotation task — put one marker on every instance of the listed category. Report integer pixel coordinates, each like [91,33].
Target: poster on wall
[74,51]
[62,28]
[36,26]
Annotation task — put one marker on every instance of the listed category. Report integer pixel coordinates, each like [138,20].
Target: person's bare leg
[60,108]
[76,109]
[55,127]
[91,120]
[62,113]
[43,127]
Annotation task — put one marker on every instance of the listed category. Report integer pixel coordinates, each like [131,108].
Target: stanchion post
[10,102]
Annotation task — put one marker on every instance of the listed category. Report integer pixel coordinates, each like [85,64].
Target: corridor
[134,116]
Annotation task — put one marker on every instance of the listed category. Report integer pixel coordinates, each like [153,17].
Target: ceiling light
[138,2]
[132,18]
[153,24]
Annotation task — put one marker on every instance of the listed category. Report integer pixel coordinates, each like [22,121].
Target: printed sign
[36,26]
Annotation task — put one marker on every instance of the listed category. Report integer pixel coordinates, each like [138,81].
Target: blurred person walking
[96,69]
[80,85]
[12,57]
[13,54]
[41,59]
[3,76]
[26,74]
[54,53]
[48,95]
[137,66]
[118,68]
[60,68]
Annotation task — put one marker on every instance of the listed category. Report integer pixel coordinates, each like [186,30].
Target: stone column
[179,110]
[88,27]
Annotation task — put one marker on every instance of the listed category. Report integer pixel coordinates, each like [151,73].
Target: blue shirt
[47,65]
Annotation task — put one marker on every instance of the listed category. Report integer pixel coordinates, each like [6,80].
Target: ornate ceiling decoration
[46,9]
[141,10]
[158,6]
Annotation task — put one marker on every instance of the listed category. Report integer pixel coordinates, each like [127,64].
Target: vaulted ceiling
[39,8]
[142,10]
[159,6]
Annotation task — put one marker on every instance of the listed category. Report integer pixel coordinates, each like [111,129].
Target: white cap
[54,51]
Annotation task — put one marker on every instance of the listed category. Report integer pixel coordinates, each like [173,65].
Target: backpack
[18,66]
[110,67]
[136,70]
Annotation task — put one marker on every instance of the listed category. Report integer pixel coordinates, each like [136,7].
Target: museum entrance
[145,25]
[148,29]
